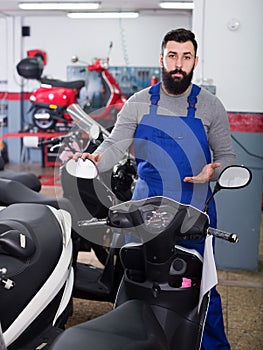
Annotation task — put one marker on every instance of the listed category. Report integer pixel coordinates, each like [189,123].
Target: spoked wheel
[43,118]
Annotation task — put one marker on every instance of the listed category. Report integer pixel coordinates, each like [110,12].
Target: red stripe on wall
[246,122]
[239,121]
[14,96]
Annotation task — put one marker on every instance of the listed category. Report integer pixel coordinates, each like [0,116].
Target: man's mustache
[177,71]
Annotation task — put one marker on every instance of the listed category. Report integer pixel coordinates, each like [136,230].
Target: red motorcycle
[51,99]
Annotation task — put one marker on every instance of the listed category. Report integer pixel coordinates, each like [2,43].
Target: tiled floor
[241,291]
[242,298]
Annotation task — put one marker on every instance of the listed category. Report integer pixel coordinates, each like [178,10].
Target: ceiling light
[96,15]
[176,5]
[59,5]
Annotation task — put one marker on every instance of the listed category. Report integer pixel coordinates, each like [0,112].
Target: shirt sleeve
[219,137]
[113,148]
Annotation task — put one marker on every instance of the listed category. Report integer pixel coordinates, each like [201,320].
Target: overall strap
[155,96]
[192,100]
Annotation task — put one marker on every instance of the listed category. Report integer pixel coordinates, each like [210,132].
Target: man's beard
[176,86]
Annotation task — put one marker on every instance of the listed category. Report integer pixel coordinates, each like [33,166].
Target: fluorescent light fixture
[59,5]
[105,15]
[174,5]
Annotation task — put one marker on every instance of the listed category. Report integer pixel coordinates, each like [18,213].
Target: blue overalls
[168,148]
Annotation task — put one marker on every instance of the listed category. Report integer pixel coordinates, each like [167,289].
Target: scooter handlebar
[52,141]
[94,222]
[230,237]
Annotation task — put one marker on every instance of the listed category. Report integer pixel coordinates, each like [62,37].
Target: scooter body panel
[174,305]
[57,96]
[43,280]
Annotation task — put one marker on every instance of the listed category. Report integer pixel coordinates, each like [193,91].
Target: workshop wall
[229,56]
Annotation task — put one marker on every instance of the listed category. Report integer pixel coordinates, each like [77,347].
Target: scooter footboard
[175,308]
[183,332]
[130,326]
[173,301]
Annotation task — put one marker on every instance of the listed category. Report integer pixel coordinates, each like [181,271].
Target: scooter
[104,96]
[161,303]
[51,99]
[164,296]
[83,199]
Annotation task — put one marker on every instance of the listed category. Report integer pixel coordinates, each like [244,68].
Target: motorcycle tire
[43,123]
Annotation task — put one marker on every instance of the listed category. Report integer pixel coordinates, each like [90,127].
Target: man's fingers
[215,165]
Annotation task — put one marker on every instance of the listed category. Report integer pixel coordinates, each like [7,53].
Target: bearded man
[181,138]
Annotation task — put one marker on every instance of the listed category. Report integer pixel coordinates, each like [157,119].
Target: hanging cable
[123,43]
[245,149]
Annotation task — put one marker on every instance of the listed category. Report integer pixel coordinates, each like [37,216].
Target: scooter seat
[76,84]
[28,179]
[15,192]
[131,326]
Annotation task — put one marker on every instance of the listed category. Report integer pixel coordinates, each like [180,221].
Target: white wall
[233,59]
[137,40]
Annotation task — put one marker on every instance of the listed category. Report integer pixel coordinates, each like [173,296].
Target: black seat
[28,179]
[131,326]
[15,192]
[75,84]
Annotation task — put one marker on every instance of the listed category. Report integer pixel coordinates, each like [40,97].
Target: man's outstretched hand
[205,175]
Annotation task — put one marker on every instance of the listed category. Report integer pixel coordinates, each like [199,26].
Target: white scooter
[36,276]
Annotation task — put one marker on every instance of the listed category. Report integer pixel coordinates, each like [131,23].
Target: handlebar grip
[230,237]
[48,142]
[93,222]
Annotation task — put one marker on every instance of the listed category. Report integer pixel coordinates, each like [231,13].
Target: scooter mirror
[84,169]
[235,176]
[74,59]
[94,132]
[232,177]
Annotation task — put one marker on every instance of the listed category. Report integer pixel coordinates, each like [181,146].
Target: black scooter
[164,295]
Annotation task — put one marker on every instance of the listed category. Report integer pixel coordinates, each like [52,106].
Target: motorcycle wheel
[43,118]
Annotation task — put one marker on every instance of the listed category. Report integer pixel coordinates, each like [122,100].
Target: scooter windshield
[153,216]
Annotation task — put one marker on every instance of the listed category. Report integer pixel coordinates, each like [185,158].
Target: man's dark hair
[180,35]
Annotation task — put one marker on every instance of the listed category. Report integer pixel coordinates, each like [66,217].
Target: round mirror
[84,169]
[94,132]
[234,177]
[74,59]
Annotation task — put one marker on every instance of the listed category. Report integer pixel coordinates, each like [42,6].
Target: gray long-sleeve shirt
[208,108]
